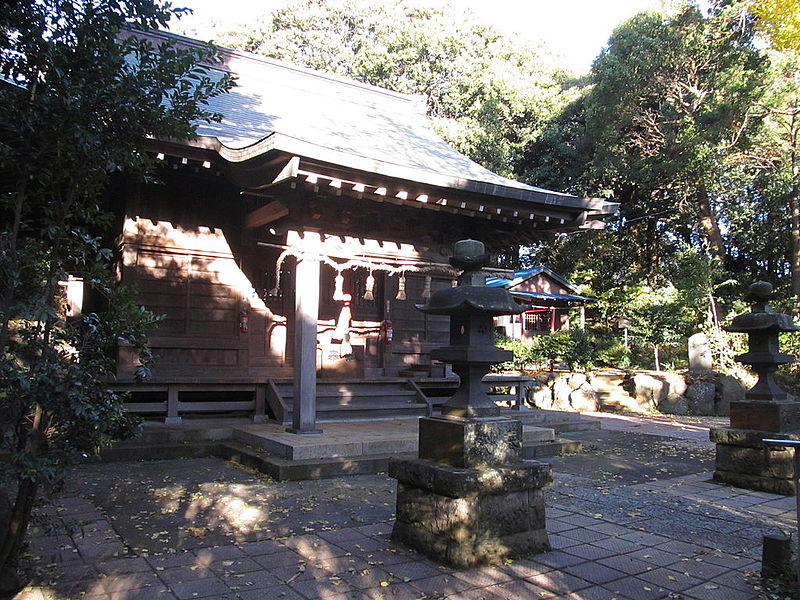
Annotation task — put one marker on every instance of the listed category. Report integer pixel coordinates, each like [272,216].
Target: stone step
[558,421]
[534,435]
[558,447]
[285,469]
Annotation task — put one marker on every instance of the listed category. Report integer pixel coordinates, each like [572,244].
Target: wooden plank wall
[192,278]
[415,333]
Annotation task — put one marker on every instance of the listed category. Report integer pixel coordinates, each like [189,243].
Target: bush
[579,349]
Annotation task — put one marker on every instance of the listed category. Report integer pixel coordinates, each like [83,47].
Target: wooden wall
[192,278]
[183,245]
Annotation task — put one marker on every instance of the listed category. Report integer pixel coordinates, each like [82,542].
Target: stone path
[202,528]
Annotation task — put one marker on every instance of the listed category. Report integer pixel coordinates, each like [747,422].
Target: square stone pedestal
[469,499]
[778,417]
[744,461]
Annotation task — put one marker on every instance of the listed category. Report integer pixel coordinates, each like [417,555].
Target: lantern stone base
[743,460]
[467,517]
[471,442]
[765,416]
[469,499]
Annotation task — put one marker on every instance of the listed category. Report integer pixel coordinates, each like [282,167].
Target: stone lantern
[766,411]
[469,499]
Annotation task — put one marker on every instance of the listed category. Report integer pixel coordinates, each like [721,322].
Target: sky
[573,30]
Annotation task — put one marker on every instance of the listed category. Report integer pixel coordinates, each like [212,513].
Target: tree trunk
[708,222]
[794,226]
[18,523]
[655,355]
[11,542]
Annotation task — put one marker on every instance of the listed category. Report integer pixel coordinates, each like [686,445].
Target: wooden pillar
[306,315]
[260,403]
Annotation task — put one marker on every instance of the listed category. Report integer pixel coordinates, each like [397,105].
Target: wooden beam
[289,171]
[266,214]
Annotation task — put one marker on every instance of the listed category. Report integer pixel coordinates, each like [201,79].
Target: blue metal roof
[520,276]
[497,281]
[543,296]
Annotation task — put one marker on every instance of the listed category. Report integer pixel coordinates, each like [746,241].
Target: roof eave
[594,207]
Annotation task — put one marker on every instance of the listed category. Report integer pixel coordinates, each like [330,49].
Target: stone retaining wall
[673,393]
[564,391]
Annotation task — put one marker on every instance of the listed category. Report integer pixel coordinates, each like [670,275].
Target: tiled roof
[279,106]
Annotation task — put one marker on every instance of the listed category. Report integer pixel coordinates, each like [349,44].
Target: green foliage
[693,129]
[579,349]
[488,95]
[79,95]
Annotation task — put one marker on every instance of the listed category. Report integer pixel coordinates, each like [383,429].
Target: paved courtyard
[633,517]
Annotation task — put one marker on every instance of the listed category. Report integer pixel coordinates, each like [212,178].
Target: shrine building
[287,245]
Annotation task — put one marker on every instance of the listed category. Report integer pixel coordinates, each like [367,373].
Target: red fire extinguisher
[388,332]
[243,321]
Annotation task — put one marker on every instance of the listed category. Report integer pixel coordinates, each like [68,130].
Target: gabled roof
[277,107]
[520,276]
[525,274]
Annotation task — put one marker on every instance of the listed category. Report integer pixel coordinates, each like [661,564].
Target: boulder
[584,399]
[561,392]
[701,396]
[674,404]
[729,389]
[576,380]
[676,384]
[542,397]
[647,390]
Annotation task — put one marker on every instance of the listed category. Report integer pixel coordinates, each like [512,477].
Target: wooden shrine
[287,245]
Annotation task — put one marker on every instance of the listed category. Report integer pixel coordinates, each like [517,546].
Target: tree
[486,94]
[672,100]
[779,21]
[79,95]
[775,160]
[671,109]
[658,318]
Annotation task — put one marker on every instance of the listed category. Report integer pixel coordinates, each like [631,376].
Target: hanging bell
[369,285]
[426,291]
[338,289]
[401,288]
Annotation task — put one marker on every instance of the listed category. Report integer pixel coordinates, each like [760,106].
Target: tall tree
[488,95]
[79,95]
[672,100]
[775,160]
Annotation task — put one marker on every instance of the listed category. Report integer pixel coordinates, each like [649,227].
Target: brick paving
[677,537]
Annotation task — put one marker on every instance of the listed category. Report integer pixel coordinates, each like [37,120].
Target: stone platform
[343,447]
[744,460]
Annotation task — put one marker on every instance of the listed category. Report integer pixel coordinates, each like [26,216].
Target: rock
[729,389]
[648,391]
[542,397]
[584,399]
[576,380]
[674,404]
[701,395]
[700,358]
[676,384]
[561,392]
